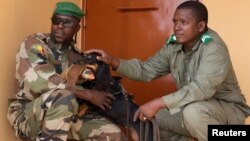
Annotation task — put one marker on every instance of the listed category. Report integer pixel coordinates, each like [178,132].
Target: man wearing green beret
[45,109]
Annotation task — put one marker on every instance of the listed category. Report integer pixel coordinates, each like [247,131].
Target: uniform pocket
[15,110]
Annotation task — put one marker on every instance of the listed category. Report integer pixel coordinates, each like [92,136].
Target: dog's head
[94,71]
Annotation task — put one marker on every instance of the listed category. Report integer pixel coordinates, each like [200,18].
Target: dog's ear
[91,58]
[71,75]
[103,76]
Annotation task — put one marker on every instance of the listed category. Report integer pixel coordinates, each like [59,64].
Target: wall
[231,20]
[18,19]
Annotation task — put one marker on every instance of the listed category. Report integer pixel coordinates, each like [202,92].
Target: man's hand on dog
[98,98]
[106,58]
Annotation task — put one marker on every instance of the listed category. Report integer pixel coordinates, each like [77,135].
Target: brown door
[131,29]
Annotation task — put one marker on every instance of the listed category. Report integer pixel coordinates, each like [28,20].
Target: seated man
[208,91]
[44,108]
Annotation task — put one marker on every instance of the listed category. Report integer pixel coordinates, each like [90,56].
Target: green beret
[69,9]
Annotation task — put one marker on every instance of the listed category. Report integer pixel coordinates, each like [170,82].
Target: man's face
[186,27]
[63,28]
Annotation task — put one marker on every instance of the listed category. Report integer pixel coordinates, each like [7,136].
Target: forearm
[161,103]
[84,94]
[147,70]
[136,70]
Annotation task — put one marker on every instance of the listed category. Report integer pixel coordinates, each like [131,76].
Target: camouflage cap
[69,9]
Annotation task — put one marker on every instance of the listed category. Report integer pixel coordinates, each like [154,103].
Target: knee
[196,117]
[115,135]
[193,114]
[118,136]
[64,99]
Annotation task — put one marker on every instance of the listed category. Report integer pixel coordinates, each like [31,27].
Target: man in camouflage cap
[44,108]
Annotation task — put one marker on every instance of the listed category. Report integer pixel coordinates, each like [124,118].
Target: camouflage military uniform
[43,109]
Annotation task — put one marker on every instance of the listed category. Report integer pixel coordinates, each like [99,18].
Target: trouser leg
[60,110]
[171,127]
[197,116]
[99,129]
[49,117]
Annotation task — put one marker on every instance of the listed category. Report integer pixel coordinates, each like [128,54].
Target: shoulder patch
[38,49]
[172,39]
[206,38]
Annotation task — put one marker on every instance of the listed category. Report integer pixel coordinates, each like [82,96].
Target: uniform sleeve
[33,70]
[213,68]
[152,68]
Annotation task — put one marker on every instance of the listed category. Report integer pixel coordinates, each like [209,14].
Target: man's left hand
[148,110]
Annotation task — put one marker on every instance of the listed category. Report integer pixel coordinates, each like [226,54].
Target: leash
[144,125]
[156,130]
[144,130]
[127,111]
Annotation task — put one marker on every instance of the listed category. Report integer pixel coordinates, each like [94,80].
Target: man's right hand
[98,98]
[104,57]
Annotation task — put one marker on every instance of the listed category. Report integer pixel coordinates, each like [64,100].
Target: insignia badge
[38,49]
[206,38]
[172,39]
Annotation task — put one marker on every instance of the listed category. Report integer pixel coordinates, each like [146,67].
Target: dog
[123,107]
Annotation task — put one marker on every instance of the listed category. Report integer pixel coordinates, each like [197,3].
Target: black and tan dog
[96,75]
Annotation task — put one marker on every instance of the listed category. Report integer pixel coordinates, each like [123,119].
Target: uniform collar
[60,46]
[205,39]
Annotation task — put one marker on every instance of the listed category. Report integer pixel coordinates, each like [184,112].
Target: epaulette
[172,39]
[206,38]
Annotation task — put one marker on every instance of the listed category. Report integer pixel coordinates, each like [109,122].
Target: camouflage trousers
[51,116]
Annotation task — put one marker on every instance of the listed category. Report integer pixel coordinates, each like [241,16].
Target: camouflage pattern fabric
[43,109]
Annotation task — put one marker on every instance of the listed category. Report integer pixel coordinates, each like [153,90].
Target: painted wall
[231,20]
[18,18]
